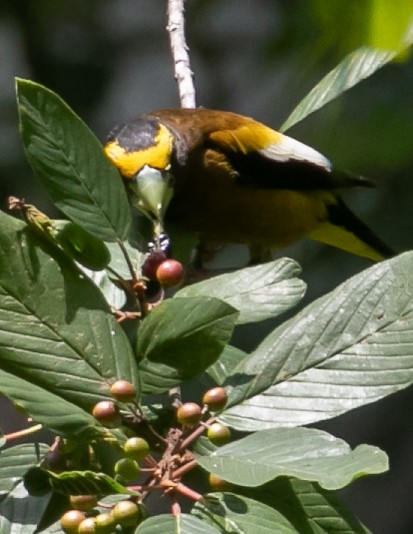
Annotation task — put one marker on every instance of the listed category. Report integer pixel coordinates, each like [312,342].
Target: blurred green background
[110,60]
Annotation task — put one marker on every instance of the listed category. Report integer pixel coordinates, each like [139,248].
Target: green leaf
[186,335]
[182,524]
[118,262]
[69,162]
[83,247]
[15,461]
[219,373]
[57,333]
[109,285]
[258,292]
[352,70]
[224,367]
[349,348]
[311,509]
[50,521]
[20,512]
[389,22]
[235,513]
[52,410]
[308,454]
[75,482]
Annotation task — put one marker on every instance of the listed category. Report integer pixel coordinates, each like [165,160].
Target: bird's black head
[144,141]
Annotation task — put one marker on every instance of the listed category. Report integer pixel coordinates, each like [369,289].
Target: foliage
[62,345]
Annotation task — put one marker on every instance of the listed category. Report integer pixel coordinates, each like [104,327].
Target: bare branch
[179,48]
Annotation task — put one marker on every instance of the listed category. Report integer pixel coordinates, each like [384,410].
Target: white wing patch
[288,149]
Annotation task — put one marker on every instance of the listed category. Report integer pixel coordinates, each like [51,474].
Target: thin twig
[180,55]
[23,433]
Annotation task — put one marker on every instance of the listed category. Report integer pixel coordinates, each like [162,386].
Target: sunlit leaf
[20,512]
[356,67]
[311,509]
[308,454]
[351,347]
[258,292]
[236,513]
[182,337]
[182,524]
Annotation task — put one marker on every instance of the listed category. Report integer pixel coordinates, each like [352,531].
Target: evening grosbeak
[236,180]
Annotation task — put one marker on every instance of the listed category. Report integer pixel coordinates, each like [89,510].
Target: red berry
[216,398]
[107,413]
[170,273]
[123,391]
[189,414]
[151,264]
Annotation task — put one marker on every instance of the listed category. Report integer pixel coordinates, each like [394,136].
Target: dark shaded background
[109,59]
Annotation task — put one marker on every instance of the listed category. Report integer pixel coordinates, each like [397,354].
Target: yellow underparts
[213,204]
[156,156]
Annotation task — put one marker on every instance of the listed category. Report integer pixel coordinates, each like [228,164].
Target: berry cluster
[157,464]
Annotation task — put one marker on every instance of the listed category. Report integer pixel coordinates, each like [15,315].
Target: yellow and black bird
[236,180]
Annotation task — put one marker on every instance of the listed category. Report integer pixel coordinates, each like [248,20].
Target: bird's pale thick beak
[151,191]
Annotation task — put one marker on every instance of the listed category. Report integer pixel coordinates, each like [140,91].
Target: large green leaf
[182,524]
[15,461]
[20,512]
[258,292]
[234,513]
[346,349]
[57,333]
[69,162]
[311,509]
[308,454]
[357,66]
[182,337]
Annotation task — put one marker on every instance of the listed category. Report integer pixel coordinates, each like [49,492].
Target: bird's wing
[265,158]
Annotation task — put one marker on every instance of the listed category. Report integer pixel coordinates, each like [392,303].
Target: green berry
[219,434]
[71,520]
[126,513]
[219,484]
[105,523]
[83,502]
[127,468]
[136,448]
